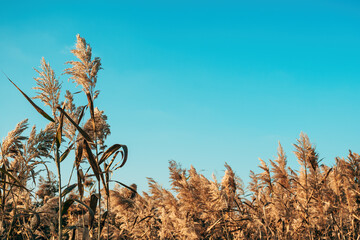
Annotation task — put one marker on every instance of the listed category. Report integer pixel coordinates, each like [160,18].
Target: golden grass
[314,202]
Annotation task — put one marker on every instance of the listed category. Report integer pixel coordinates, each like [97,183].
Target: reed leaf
[81,114]
[66,153]
[93,203]
[92,161]
[103,219]
[68,189]
[79,155]
[58,136]
[91,211]
[91,104]
[124,156]
[124,185]
[42,112]
[83,133]
[66,206]
[110,151]
[111,162]
[80,178]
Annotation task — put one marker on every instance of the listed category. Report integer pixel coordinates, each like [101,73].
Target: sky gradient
[200,83]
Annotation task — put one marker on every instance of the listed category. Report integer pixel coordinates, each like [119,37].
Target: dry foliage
[315,202]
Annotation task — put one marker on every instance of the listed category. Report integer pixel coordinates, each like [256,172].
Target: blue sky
[198,82]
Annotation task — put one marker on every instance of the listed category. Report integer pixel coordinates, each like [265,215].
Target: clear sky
[198,82]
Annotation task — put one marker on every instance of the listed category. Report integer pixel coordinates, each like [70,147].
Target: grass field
[313,202]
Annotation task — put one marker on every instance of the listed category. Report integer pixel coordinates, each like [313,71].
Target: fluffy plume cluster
[102,128]
[84,72]
[316,202]
[48,86]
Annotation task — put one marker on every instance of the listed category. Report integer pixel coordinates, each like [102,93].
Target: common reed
[313,202]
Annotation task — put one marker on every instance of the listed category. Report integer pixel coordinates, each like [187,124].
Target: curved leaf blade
[69,202]
[66,153]
[42,112]
[58,136]
[85,135]
[111,162]
[110,151]
[66,206]
[92,161]
[68,189]
[125,156]
[91,212]
[124,185]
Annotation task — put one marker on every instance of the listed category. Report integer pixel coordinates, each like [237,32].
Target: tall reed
[91,136]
